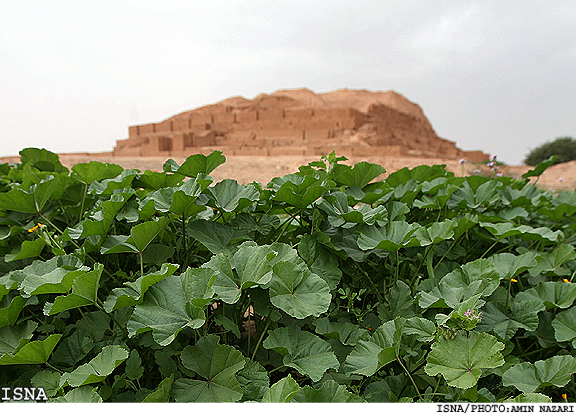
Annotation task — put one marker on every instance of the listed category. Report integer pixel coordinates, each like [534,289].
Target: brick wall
[276,130]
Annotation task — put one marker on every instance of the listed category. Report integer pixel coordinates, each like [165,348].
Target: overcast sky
[499,76]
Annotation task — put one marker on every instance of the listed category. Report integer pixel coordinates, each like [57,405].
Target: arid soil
[246,169]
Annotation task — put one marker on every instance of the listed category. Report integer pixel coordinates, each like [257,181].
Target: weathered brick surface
[297,122]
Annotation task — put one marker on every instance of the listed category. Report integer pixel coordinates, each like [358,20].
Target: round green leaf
[215,236]
[28,249]
[11,306]
[391,237]
[252,263]
[505,323]
[565,326]
[42,159]
[297,291]
[231,196]
[84,293]
[140,237]
[54,276]
[197,284]
[12,338]
[552,293]
[248,267]
[530,398]
[282,391]
[381,348]
[162,392]
[132,293]
[33,353]
[197,163]
[95,171]
[85,394]
[346,332]
[299,191]
[96,369]
[164,311]
[528,377]
[254,379]
[47,380]
[18,200]
[329,392]
[302,350]
[422,328]
[217,364]
[461,360]
[358,175]
[72,349]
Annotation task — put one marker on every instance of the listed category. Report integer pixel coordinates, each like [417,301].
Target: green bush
[563,147]
[324,285]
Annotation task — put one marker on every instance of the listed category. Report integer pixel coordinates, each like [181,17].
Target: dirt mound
[359,99]
[560,176]
[362,99]
[304,96]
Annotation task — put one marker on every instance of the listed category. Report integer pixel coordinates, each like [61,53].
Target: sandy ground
[246,169]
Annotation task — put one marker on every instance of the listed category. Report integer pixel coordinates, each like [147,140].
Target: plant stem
[100,306]
[374,286]
[82,204]
[276,369]
[141,264]
[445,253]
[286,223]
[429,267]
[396,268]
[55,368]
[410,376]
[425,256]
[508,295]
[87,324]
[488,250]
[437,385]
[184,242]
[262,335]
[532,352]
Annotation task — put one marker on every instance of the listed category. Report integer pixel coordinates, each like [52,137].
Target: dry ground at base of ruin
[246,169]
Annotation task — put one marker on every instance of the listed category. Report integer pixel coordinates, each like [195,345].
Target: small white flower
[560,179]
[493,157]
[462,161]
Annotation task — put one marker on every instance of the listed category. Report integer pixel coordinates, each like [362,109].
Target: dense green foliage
[563,147]
[323,286]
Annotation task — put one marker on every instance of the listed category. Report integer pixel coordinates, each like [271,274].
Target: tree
[563,147]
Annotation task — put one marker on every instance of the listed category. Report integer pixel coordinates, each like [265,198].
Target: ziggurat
[297,122]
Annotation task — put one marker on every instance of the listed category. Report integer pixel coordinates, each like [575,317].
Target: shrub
[563,147]
[323,286]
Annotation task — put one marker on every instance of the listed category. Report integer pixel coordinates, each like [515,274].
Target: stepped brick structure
[297,122]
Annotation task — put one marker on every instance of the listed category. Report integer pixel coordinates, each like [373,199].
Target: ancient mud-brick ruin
[297,122]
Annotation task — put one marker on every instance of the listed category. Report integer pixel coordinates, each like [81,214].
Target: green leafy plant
[324,285]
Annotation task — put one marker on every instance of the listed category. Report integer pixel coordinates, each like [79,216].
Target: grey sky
[499,76]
